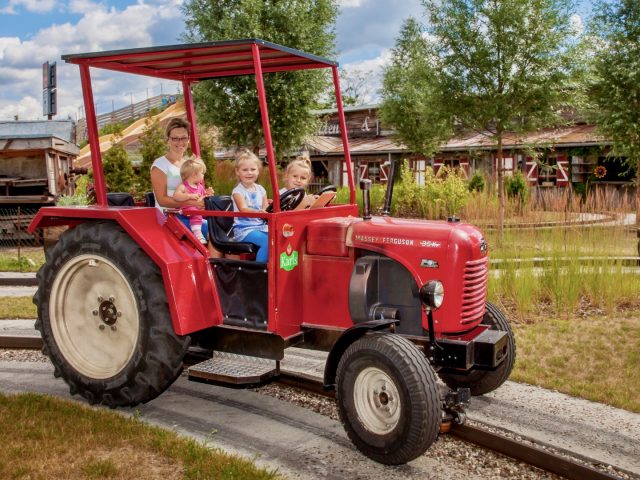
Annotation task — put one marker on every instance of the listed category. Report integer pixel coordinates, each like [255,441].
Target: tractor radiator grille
[474,290]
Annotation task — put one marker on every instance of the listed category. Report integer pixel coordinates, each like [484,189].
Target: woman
[165,173]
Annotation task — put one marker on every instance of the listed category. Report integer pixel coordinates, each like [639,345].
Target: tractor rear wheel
[104,317]
[388,398]
[485,381]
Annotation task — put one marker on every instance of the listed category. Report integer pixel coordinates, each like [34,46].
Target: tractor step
[233,369]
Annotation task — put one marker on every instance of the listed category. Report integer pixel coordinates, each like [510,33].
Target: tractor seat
[120,199]
[220,227]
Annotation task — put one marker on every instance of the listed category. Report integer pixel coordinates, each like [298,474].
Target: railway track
[479,435]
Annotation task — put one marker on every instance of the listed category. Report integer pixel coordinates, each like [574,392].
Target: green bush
[377,194]
[152,145]
[516,187]
[443,195]
[77,199]
[118,171]
[81,183]
[476,184]
[114,128]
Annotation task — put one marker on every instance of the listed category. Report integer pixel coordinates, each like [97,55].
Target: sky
[36,31]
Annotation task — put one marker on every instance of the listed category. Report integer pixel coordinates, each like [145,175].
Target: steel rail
[529,454]
[16,342]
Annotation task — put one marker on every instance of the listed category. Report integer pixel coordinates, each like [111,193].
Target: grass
[17,307]
[53,438]
[28,259]
[597,358]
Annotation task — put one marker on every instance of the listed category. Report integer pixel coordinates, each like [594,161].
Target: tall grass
[564,268]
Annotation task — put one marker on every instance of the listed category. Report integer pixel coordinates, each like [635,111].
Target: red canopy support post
[266,128]
[191,117]
[94,140]
[343,134]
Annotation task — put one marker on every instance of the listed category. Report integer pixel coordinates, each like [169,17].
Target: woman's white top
[173,176]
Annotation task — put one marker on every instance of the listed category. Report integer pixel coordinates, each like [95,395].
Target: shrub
[117,168]
[152,145]
[476,184]
[443,195]
[516,188]
[68,200]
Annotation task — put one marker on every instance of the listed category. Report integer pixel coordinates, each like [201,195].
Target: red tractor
[396,303]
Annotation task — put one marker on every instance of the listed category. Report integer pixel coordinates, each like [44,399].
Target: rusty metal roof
[199,61]
[571,136]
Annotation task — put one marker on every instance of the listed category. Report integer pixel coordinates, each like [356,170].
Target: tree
[615,89]
[208,154]
[487,66]
[353,88]
[153,144]
[231,104]
[118,172]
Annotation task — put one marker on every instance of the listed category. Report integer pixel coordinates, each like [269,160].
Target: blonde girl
[249,196]
[298,174]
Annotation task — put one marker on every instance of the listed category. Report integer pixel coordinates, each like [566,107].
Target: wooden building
[36,161]
[564,156]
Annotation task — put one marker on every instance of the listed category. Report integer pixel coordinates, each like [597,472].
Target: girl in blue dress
[249,196]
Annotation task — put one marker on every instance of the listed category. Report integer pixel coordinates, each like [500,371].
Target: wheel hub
[377,400]
[108,312]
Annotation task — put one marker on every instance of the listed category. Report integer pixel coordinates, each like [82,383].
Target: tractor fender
[349,336]
[191,292]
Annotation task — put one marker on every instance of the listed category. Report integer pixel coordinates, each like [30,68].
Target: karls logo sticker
[287,230]
[289,259]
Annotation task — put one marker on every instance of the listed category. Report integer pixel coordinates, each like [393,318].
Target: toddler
[192,188]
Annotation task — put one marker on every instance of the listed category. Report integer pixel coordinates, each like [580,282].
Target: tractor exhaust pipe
[365,186]
[386,211]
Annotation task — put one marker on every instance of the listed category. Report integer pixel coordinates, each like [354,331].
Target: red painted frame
[187,274]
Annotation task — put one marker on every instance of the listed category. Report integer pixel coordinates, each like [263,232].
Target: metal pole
[266,128]
[92,128]
[343,133]
[191,116]
[19,224]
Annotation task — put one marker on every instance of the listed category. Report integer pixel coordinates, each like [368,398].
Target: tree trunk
[501,199]
[638,207]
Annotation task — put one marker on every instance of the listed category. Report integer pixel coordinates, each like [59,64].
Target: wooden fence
[125,115]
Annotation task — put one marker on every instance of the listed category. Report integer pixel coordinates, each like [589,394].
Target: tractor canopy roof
[199,61]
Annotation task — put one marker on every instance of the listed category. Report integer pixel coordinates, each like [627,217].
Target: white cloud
[577,24]
[351,3]
[100,28]
[35,6]
[373,69]
[82,6]
[23,108]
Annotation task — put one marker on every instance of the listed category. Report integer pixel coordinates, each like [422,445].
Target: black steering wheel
[328,188]
[289,199]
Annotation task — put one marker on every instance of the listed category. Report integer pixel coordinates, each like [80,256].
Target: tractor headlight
[432,294]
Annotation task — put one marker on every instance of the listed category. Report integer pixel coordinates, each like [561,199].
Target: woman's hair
[177,122]
[244,155]
[191,167]
[300,162]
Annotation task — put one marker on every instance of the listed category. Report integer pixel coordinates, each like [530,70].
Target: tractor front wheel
[104,317]
[388,398]
[485,381]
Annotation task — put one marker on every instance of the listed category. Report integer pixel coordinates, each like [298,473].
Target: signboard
[49,93]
